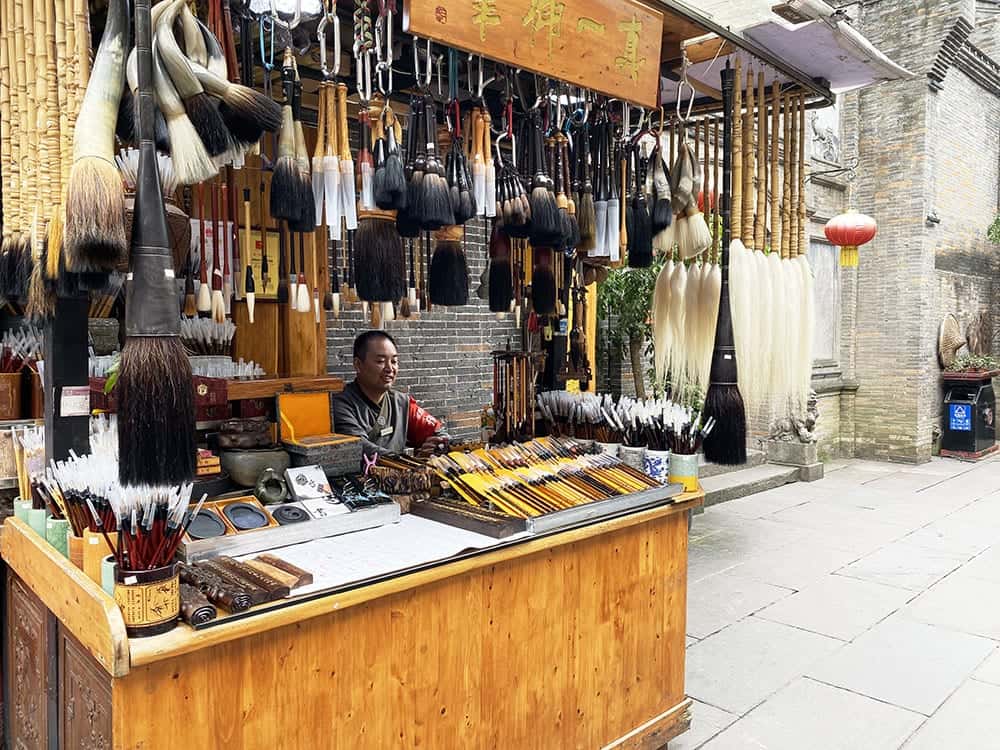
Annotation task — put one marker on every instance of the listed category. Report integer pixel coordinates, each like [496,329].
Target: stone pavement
[859,612]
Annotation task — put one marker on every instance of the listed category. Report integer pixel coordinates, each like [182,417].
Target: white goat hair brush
[678,290]
[692,325]
[661,320]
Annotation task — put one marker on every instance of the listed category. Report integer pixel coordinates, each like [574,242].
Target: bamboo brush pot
[95,549]
[75,544]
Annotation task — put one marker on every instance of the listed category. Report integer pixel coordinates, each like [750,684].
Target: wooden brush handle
[803,247]
[477,136]
[760,214]
[786,181]
[736,201]
[332,135]
[775,133]
[749,163]
[319,150]
[345,143]
[247,247]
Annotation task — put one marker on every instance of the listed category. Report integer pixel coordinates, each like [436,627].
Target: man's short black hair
[363,339]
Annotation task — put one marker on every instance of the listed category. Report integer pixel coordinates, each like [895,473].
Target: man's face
[377,371]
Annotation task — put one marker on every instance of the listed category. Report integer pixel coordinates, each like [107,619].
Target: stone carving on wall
[824,125]
[799,428]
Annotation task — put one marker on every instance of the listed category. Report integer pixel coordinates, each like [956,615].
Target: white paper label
[74,401]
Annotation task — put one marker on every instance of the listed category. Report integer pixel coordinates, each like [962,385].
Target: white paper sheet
[344,559]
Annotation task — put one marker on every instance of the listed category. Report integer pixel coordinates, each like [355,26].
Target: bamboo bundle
[736,200]
[6,163]
[760,218]
[749,165]
[775,227]
[792,160]
[803,247]
[786,187]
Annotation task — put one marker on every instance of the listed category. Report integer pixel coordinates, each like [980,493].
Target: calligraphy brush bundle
[586,212]
[155,390]
[449,269]
[390,176]
[204,336]
[543,281]
[80,488]
[434,197]
[501,279]
[19,348]
[152,522]
[380,267]
[546,223]
[640,231]
[288,185]
[94,228]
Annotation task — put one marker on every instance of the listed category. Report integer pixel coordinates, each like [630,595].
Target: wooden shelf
[270,387]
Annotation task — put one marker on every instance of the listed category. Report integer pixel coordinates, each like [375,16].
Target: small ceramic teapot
[271,488]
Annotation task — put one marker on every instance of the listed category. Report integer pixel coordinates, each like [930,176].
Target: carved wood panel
[27,647]
[84,698]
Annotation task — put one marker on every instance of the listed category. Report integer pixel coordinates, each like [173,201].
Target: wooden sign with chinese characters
[610,46]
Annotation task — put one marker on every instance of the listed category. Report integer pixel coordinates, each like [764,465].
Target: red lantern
[849,231]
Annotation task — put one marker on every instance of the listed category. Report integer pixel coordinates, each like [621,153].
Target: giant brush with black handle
[94,232]
[727,442]
[156,435]
[380,268]
[288,185]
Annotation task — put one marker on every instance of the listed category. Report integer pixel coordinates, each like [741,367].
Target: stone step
[746,481]
[706,469]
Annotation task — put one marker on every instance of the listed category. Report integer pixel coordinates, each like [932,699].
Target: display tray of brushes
[242,526]
[551,483]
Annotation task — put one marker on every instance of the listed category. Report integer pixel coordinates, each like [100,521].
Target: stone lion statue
[797,427]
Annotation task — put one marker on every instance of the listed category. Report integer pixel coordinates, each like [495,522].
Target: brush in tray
[542,476]
[204,336]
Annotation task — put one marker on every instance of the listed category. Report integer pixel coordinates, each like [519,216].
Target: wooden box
[305,429]
[210,391]
[106,402]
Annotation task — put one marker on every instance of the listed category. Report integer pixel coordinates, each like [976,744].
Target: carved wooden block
[84,697]
[27,646]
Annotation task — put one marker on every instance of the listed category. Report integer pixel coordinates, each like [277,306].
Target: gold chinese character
[629,61]
[485,15]
[589,24]
[544,14]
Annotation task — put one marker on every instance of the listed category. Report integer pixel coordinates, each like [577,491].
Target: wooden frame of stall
[574,639]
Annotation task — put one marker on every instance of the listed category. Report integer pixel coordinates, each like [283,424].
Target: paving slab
[839,607]
[985,565]
[904,662]
[989,671]
[720,600]
[904,565]
[954,536]
[706,722]
[960,602]
[797,565]
[968,720]
[742,665]
[809,714]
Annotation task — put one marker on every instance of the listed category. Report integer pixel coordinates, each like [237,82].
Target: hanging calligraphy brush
[478,161]
[411,293]
[204,290]
[434,203]
[190,301]
[348,189]
[416,154]
[284,291]
[449,270]
[247,113]
[365,164]
[491,172]
[640,236]
[218,301]
[573,226]
[586,211]
[287,182]
[331,164]
[379,264]
[543,282]
[662,215]
[460,181]
[306,221]
[293,277]
[94,229]
[156,435]
[331,301]
[614,170]
[601,199]
[554,161]
[727,442]
[225,244]
[265,271]
[390,177]
[249,287]
[201,110]
[302,303]
[546,224]
[318,163]
[501,290]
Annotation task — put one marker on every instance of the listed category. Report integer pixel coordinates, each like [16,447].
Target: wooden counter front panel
[572,647]
[27,667]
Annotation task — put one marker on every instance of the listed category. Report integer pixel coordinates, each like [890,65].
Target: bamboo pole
[62,99]
[706,187]
[749,163]
[43,174]
[760,217]
[81,20]
[803,240]
[18,78]
[717,189]
[736,199]
[775,136]
[786,173]
[793,158]
[5,124]
[30,166]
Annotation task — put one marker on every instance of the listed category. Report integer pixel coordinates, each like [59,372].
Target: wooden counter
[573,640]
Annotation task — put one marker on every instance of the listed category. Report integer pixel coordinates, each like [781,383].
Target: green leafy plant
[624,300]
[993,233]
[974,363]
[112,375]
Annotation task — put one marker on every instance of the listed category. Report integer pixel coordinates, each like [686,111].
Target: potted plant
[623,301]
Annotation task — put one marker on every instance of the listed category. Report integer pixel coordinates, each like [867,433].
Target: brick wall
[445,358]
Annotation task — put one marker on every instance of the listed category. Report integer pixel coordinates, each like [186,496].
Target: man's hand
[433,443]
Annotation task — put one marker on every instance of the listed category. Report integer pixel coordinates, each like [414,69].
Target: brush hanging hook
[362,49]
[329,18]
[383,48]
[266,54]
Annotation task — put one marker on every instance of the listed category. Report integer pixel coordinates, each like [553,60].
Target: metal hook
[383,66]
[329,16]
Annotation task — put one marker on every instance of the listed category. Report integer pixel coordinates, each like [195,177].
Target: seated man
[368,407]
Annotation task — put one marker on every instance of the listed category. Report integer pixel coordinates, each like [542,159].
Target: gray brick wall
[445,358]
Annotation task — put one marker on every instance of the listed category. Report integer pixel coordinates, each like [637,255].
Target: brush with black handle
[155,390]
[249,287]
[546,227]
